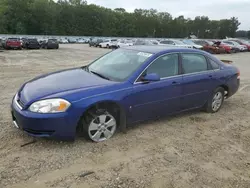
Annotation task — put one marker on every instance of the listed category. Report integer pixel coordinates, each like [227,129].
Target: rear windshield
[13,39]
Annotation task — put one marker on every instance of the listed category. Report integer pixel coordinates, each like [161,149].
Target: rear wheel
[215,102]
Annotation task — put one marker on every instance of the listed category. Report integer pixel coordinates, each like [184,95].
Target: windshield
[227,42]
[210,43]
[178,42]
[189,42]
[235,43]
[119,64]
[13,39]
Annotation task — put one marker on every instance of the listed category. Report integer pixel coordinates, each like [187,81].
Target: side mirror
[152,77]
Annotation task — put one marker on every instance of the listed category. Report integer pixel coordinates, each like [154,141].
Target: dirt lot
[191,150]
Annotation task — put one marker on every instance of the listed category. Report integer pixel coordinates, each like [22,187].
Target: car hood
[184,45]
[58,82]
[197,46]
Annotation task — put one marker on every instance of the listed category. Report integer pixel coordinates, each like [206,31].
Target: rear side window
[192,63]
[214,65]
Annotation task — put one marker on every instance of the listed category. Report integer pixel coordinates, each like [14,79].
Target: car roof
[158,48]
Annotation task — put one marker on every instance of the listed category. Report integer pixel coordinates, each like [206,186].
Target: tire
[218,95]
[98,126]
[210,51]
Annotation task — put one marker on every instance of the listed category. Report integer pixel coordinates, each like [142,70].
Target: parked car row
[111,43]
[73,40]
[28,43]
[211,46]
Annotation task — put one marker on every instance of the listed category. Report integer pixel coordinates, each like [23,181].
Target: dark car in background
[1,43]
[95,42]
[50,44]
[12,43]
[30,43]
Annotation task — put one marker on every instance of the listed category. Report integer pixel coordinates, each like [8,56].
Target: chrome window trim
[164,78]
[154,61]
[186,74]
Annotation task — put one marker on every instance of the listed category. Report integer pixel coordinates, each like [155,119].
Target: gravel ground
[190,150]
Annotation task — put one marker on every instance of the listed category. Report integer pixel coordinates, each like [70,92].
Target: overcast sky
[214,9]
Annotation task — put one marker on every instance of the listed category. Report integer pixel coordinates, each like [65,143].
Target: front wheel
[215,102]
[99,126]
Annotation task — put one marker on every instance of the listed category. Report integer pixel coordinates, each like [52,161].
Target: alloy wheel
[217,101]
[102,127]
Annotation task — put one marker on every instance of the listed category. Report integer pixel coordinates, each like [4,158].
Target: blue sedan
[125,86]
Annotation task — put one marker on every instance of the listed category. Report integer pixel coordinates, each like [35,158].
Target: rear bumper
[13,47]
[52,46]
[59,126]
[233,87]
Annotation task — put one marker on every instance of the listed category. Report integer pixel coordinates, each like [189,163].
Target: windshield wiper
[100,75]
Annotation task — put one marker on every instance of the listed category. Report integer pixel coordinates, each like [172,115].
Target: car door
[197,80]
[149,100]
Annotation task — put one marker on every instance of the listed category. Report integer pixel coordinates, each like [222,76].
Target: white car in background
[81,41]
[190,42]
[174,42]
[242,48]
[63,41]
[124,43]
[108,43]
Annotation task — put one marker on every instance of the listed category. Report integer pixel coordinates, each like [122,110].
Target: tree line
[77,18]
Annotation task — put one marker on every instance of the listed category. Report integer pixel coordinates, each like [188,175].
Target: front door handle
[175,83]
[210,76]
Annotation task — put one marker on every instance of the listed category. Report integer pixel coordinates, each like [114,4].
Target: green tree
[76,17]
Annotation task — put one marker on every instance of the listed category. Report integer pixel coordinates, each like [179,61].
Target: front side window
[119,64]
[192,63]
[165,66]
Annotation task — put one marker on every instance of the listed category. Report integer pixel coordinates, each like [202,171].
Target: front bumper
[33,46]
[59,126]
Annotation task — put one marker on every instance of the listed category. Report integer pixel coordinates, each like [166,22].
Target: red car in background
[242,42]
[209,46]
[228,48]
[12,43]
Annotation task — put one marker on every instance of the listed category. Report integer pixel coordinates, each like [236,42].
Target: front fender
[113,96]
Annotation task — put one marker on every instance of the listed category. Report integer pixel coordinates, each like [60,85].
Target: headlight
[50,106]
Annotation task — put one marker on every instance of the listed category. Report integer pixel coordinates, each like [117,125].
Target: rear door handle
[210,76]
